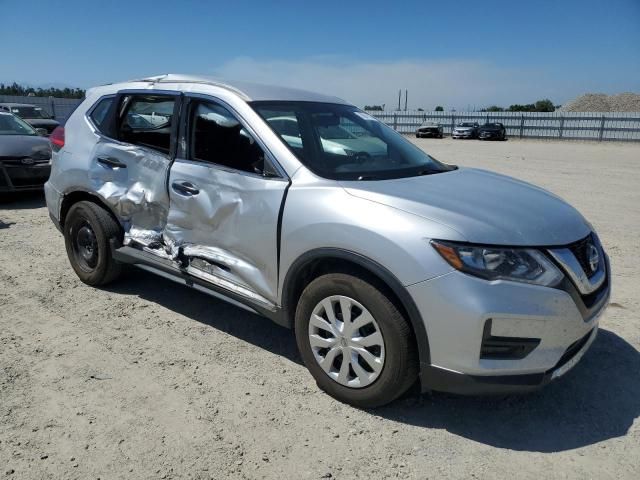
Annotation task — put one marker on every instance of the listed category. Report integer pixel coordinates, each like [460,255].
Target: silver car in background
[392,267]
[466,130]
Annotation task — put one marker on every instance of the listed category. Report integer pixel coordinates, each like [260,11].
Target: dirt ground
[147,379]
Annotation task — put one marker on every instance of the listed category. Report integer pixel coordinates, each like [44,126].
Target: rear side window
[147,120]
[99,112]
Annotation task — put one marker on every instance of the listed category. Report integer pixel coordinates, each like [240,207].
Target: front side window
[340,142]
[147,120]
[216,136]
[12,125]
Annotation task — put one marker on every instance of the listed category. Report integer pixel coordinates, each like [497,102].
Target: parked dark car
[25,156]
[429,129]
[466,130]
[34,115]
[492,131]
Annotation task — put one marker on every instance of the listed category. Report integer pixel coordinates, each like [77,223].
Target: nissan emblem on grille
[593,257]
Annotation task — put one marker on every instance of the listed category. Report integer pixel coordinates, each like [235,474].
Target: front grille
[579,250]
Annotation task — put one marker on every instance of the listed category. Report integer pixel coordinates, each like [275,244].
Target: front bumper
[428,133]
[17,176]
[488,136]
[462,135]
[456,307]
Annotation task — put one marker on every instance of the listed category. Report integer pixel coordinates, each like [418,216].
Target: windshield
[30,112]
[11,125]
[467,124]
[340,142]
[491,126]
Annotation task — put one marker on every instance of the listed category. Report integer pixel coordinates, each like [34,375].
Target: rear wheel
[89,231]
[354,341]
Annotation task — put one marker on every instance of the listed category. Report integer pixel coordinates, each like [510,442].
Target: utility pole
[406,95]
[399,98]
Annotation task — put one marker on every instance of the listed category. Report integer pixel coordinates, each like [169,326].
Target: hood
[16,146]
[484,207]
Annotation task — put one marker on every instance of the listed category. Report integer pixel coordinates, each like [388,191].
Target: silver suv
[392,267]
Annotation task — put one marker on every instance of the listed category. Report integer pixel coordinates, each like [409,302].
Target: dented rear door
[130,164]
[226,193]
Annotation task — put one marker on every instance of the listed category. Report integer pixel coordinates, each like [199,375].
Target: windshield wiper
[428,172]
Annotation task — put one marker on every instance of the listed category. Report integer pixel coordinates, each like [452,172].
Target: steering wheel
[361,157]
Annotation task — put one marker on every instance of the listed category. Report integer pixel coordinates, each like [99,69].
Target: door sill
[199,280]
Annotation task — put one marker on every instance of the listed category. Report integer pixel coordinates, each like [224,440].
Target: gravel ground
[147,379]
[601,102]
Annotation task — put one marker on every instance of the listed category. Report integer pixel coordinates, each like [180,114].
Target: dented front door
[224,206]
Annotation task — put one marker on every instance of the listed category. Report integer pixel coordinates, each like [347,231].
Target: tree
[439,109]
[374,108]
[545,105]
[421,109]
[16,89]
[494,108]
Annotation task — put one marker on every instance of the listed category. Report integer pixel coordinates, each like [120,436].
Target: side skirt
[168,269]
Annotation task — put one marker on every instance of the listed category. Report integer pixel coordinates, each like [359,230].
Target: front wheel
[354,341]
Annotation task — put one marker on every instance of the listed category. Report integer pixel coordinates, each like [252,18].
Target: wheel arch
[71,198]
[317,262]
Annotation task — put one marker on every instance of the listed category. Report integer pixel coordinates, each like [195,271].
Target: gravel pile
[600,102]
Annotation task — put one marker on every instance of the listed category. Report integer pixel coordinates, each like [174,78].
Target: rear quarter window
[99,112]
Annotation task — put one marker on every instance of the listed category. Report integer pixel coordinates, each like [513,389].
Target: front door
[225,196]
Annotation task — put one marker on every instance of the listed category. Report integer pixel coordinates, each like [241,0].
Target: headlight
[495,263]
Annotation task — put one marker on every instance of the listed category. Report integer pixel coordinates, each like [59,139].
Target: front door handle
[185,188]
[111,162]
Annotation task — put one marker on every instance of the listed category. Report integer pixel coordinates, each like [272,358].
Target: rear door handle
[111,162]
[185,188]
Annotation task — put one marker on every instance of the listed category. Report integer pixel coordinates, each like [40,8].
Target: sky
[459,54]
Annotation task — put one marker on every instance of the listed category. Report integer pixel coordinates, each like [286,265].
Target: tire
[417,135]
[399,368]
[89,231]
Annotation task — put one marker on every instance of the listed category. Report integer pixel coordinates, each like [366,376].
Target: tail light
[57,139]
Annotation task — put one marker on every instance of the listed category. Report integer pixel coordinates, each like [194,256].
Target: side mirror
[42,132]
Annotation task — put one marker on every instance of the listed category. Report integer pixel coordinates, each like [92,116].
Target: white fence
[622,126]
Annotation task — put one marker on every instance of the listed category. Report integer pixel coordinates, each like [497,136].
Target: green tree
[16,89]
[545,105]
[439,109]
[494,108]
[374,108]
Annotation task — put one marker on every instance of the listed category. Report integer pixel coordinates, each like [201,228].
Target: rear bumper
[16,177]
[53,198]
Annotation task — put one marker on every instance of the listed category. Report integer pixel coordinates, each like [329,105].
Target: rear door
[130,162]
[226,192]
